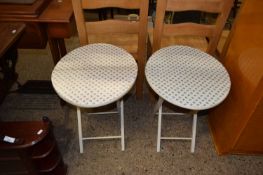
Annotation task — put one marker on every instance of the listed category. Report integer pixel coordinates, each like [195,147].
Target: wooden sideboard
[236,124]
[46,20]
[38,152]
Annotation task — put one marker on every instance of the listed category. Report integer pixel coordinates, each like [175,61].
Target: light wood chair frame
[212,32]
[115,26]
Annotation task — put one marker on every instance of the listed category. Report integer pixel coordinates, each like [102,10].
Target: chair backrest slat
[189,29]
[112,26]
[126,4]
[211,6]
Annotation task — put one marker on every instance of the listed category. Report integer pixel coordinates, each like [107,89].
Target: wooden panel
[60,30]
[236,123]
[198,5]
[57,12]
[10,33]
[23,10]
[126,4]
[252,131]
[34,36]
[188,29]
[37,154]
[247,30]
[7,37]
[17,130]
[128,42]
[112,26]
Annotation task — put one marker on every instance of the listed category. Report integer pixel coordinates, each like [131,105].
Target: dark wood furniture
[9,35]
[46,20]
[38,152]
[236,124]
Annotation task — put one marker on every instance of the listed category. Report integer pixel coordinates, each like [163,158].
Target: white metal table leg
[193,132]
[80,130]
[159,126]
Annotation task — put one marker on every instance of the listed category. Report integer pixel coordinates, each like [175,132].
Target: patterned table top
[187,77]
[94,75]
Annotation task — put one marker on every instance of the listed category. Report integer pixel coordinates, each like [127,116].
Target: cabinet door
[235,124]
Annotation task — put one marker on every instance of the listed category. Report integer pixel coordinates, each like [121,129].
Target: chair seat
[191,41]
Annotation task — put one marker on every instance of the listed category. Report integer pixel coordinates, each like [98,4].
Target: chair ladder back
[210,31]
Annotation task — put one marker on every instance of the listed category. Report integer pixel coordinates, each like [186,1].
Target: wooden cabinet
[37,154]
[236,124]
[10,33]
[46,20]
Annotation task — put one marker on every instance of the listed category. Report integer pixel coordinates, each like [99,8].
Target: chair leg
[193,132]
[138,88]
[159,129]
[122,125]
[140,78]
[80,130]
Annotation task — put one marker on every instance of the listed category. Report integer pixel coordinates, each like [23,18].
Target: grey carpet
[106,157]
[140,156]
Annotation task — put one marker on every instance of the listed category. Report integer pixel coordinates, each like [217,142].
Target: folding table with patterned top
[93,76]
[188,78]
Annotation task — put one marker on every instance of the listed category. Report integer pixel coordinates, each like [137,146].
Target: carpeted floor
[106,157]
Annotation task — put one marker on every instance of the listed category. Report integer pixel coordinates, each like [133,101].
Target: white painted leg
[159,128]
[80,130]
[193,132]
[122,125]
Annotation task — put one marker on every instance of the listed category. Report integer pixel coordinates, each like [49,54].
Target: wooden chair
[130,35]
[199,35]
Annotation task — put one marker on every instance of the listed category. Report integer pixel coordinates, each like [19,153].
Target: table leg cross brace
[159,137]
[120,111]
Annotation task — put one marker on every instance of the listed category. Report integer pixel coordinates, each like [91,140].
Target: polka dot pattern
[187,77]
[94,75]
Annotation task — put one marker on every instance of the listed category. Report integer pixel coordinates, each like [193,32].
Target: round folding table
[93,76]
[188,78]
